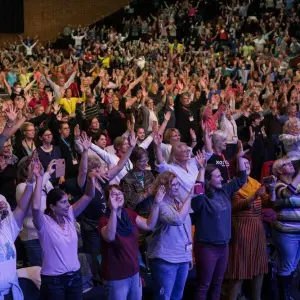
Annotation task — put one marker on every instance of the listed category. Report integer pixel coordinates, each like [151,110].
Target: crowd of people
[171,145]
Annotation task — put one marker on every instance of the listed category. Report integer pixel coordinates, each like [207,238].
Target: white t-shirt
[259,44]
[9,231]
[59,246]
[186,179]
[29,232]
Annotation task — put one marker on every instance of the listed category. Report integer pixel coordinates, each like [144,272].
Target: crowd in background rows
[152,147]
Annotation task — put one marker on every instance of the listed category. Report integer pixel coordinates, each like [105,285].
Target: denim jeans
[288,247]
[211,264]
[33,252]
[62,287]
[124,289]
[168,279]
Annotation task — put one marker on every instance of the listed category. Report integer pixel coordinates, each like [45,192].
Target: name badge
[189,247]
[191,118]
[75,161]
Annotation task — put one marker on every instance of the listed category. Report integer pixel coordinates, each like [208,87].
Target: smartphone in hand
[60,168]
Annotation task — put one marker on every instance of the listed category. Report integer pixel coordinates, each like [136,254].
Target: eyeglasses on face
[146,160]
[287,164]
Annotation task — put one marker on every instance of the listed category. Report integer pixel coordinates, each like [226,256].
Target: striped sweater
[287,206]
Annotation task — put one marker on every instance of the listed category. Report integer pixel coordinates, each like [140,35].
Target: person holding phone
[212,211]
[48,152]
[248,258]
[97,207]
[286,229]
[60,274]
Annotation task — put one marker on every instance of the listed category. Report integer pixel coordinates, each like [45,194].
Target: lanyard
[29,148]
[185,230]
[69,147]
[227,169]
[140,180]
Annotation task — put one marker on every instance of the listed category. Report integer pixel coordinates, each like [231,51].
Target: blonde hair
[288,125]
[217,136]
[93,162]
[118,142]
[164,179]
[25,126]
[278,164]
[168,133]
[173,150]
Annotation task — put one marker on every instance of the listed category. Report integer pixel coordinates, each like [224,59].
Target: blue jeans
[124,289]
[168,279]
[33,252]
[288,247]
[62,287]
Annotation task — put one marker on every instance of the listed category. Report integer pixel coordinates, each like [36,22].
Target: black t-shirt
[221,162]
[97,207]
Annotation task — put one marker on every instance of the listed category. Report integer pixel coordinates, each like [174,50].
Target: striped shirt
[287,206]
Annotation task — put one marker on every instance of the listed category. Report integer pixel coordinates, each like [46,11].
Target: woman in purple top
[60,273]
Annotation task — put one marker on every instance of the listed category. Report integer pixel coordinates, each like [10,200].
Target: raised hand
[241,151]
[59,117]
[11,113]
[168,116]
[154,126]
[50,170]
[50,97]
[56,107]
[193,134]
[159,197]
[201,159]
[157,139]
[132,140]
[102,176]
[114,202]
[85,141]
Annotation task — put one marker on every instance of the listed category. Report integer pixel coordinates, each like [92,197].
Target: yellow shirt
[179,48]
[25,79]
[105,62]
[69,105]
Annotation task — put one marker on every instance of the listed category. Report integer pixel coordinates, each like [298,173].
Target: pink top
[211,120]
[59,246]
[192,11]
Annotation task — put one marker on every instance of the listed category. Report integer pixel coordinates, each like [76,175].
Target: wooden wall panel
[46,18]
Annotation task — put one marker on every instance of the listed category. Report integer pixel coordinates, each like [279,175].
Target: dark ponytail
[53,197]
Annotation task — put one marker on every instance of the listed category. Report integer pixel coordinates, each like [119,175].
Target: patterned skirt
[247,250]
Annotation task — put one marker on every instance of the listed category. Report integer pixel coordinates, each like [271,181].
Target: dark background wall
[47,18]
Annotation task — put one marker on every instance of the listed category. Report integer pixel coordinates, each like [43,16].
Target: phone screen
[60,169]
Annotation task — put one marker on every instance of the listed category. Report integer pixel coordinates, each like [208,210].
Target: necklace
[30,148]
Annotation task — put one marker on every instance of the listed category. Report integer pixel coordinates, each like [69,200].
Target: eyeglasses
[287,164]
[117,194]
[146,160]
